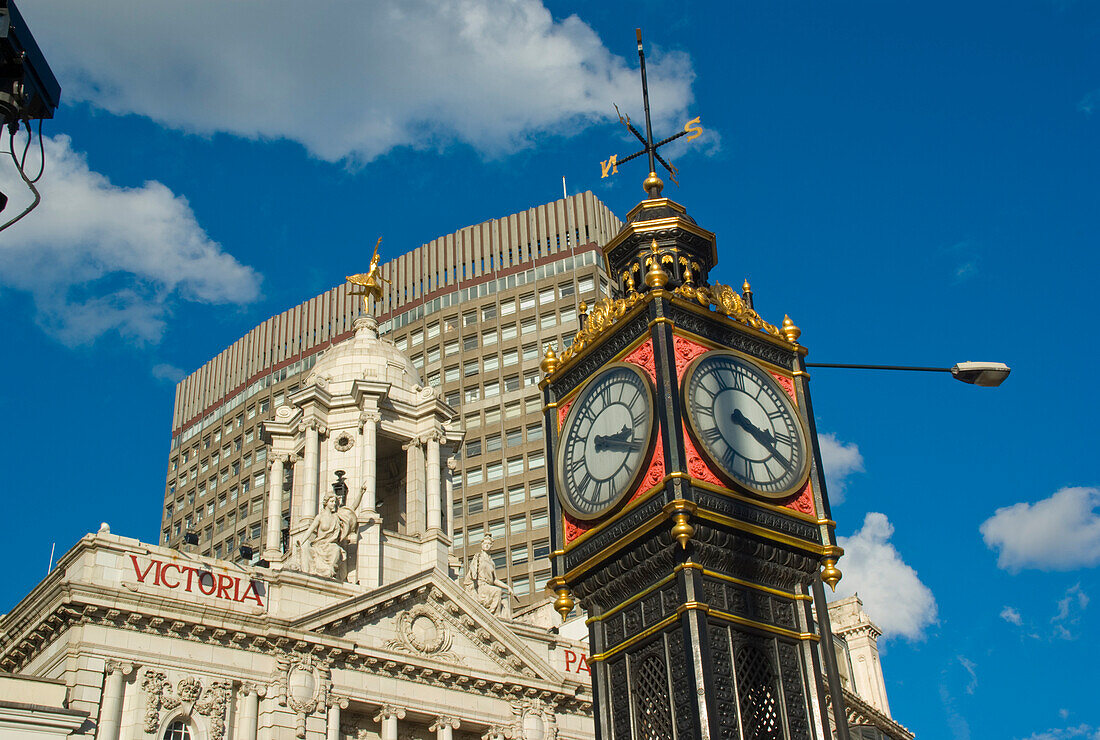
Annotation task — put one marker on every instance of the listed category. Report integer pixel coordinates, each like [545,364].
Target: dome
[363,357]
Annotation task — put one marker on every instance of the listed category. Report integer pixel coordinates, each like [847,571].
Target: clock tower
[690,518]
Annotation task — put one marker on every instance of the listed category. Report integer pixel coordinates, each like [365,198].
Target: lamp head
[987,374]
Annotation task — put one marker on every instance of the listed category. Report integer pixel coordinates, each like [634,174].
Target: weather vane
[369,283]
[692,130]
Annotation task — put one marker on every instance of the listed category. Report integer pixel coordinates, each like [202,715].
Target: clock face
[604,441]
[745,423]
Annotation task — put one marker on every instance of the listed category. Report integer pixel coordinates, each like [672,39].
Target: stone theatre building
[363,621]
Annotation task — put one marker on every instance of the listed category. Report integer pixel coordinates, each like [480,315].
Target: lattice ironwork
[651,701]
[759,695]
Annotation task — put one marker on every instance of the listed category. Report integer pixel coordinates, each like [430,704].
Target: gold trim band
[636,597]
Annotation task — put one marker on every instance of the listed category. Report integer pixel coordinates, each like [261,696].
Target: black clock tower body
[701,622]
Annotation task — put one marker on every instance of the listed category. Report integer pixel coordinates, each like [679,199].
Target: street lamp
[987,374]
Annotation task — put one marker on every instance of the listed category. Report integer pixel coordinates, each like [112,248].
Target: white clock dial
[604,441]
[746,424]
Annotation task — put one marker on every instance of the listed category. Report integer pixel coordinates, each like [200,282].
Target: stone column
[311,468]
[414,486]
[273,539]
[336,704]
[388,716]
[114,687]
[248,721]
[432,490]
[444,727]
[449,495]
[368,457]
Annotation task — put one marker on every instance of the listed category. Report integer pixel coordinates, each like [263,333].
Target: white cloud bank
[351,80]
[840,459]
[1061,532]
[97,257]
[892,594]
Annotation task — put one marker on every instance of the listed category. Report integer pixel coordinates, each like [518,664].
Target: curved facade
[473,309]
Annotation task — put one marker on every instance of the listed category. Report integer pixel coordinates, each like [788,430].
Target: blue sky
[912,183]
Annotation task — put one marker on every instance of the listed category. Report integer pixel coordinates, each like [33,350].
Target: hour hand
[621,441]
[764,438]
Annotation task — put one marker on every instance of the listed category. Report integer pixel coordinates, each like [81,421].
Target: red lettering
[583,665]
[236,589]
[202,583]
[137,570]
[160,572]
[570,658]
[252,593]
[164,575]
[190,575]
[224,584]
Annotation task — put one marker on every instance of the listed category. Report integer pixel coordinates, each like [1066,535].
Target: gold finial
[564,603]
[655,276]
[369,282]
[653,185]
[746,293]
[549,361]
[583,308]
[790,331]
[830,573]
[682,531]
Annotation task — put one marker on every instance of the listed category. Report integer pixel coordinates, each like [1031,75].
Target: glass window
[416,338]
[515,465]
[500,560]
[488,313]
[469,368]
[433,379]
[474,477]
[532,405]
[565,289]
[541,548]
[511,383]
[433,354]
[531,378]
[473,393]
[491,363]
[546,295]
[450,348]
[527,326]
[473,448]
[470,342]
[521,585]
[568,314]
[492,389]
[178,730]
[540,519]
[516,495]
[496,499]
[585,284]
[492,416]
[454,398]
[475,504]
[433,330]
[535,460]
[468,318]
[513,437]
[548,321]
[492,444]
[460,539]
[507,308]
[456,510]
[496,529]
[493,471]
[472,420]
[530,351]
[476,533]
[526,301]
[519,554]
[488,337]
[538,489]
[511,357]
[507,332]
[511,410]
[451,373]
[402,343]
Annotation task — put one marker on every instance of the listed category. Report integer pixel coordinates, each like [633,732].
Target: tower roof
[364,356]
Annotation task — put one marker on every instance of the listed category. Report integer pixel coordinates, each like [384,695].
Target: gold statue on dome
[369,283]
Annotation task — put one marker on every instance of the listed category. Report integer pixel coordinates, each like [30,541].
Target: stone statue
[481,581]
[322,547]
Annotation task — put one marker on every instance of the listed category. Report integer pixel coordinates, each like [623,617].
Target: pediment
[429,618]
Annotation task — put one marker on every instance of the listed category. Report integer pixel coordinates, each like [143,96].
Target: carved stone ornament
[211,701]
[283,412]
[343,441]
[420,631]
[304,685]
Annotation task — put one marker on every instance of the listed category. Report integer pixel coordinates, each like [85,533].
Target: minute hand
[764,438]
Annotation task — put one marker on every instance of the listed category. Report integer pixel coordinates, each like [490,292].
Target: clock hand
[619,440]
[764,438]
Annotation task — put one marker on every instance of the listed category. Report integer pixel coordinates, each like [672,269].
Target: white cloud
[168,373]
[1089,103]
[893,596]
[1012,616]
[972,671]
[1061,532]
[1069,612]
[351,81]
[97,257]
[840,459]
[1085,732]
